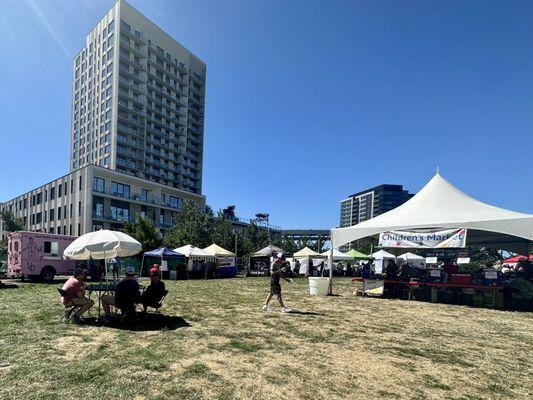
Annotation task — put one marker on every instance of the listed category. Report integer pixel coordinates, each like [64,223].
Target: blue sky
[307,101]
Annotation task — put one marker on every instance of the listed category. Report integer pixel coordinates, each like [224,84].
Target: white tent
[338,255]
[306,252]
[218,251]
[411,258]
[440,205]
[383,255]
[194,253]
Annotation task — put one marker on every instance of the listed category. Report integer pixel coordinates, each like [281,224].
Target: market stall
[226,262]
[199,262]
[411,259]
[173,265]
[260,260]
[381,258]
[312,263]
[441,217]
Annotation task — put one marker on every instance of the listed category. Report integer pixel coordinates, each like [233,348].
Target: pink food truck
[38,255]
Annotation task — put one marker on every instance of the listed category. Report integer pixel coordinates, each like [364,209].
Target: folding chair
[156,306]
[69,309]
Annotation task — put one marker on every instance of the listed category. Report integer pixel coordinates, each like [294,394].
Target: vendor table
[435,286]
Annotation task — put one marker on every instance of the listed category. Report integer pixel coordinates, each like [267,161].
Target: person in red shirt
[75,288]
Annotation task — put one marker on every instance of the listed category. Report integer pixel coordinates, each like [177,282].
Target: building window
[175,202]
[99,185]
[145,194]
[119,189]
[59,213]
[120,211]
[79,185]
[52,215]
[79,208]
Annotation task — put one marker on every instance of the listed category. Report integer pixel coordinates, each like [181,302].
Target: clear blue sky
[307,101]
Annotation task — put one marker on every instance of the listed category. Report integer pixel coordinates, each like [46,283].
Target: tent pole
[330,264]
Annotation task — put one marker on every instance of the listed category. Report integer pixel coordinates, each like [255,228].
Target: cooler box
[491,277]
[461,279]
[435,275]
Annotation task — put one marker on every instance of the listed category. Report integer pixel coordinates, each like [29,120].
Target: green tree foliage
[11,223]
[253,238]
[222,233]
[193,226]
[144,230]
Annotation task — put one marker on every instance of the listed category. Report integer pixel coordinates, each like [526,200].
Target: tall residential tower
[138,101]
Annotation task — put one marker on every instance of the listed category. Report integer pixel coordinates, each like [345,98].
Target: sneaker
[265,308]
[286,310]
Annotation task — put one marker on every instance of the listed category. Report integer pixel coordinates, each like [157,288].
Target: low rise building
[93,197]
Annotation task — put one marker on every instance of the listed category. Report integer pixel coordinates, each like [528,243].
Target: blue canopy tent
[165,254]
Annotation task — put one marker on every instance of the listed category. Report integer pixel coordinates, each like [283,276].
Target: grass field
[341,347]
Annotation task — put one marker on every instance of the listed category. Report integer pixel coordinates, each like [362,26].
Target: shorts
[275,288]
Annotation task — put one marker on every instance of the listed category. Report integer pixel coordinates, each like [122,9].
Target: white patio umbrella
[102,244]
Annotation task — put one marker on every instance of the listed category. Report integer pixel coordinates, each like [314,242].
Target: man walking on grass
[277,270]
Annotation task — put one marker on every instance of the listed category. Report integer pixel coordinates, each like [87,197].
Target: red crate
[461,279]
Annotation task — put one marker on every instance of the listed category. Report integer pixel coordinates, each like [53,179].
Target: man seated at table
[126,294]
[75,294]
[153,294]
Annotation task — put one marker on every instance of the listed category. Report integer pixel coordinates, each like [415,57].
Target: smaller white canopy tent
[383,255]
[381,258]
[338,255]
[413,259]
[268,251]
[218,251]
[306,252]
[195,253]
[306,256]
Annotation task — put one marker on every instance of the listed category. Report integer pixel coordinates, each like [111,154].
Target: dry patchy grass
[335,348]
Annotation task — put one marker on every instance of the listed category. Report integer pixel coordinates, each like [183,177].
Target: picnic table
[101,289]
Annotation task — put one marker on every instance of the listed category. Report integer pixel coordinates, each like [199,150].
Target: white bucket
[318,286]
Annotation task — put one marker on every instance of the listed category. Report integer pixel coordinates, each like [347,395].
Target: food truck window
[51,248]
[16,246]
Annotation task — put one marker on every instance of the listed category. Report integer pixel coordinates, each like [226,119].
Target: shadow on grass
[8,286]
[148,322]
[304,312]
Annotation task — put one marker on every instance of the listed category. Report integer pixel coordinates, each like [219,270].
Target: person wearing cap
[276,271]
[153,294]
[126,294]
[75,289]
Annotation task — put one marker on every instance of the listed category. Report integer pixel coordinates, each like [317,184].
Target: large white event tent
[412,258]
[337,255]
[440,205]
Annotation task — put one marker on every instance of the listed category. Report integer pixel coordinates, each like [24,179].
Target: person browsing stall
[126,294]
[75,294]
[153,294]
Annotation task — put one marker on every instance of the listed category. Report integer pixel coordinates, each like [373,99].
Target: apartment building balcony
[135,35]
[140,51]
[131,73]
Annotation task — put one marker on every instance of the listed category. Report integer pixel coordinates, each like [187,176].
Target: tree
[192,226]
[222,232]
[144,230]
[253,239]
[10,223]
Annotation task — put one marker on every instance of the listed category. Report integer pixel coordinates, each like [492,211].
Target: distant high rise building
[138,101]
[370,203]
